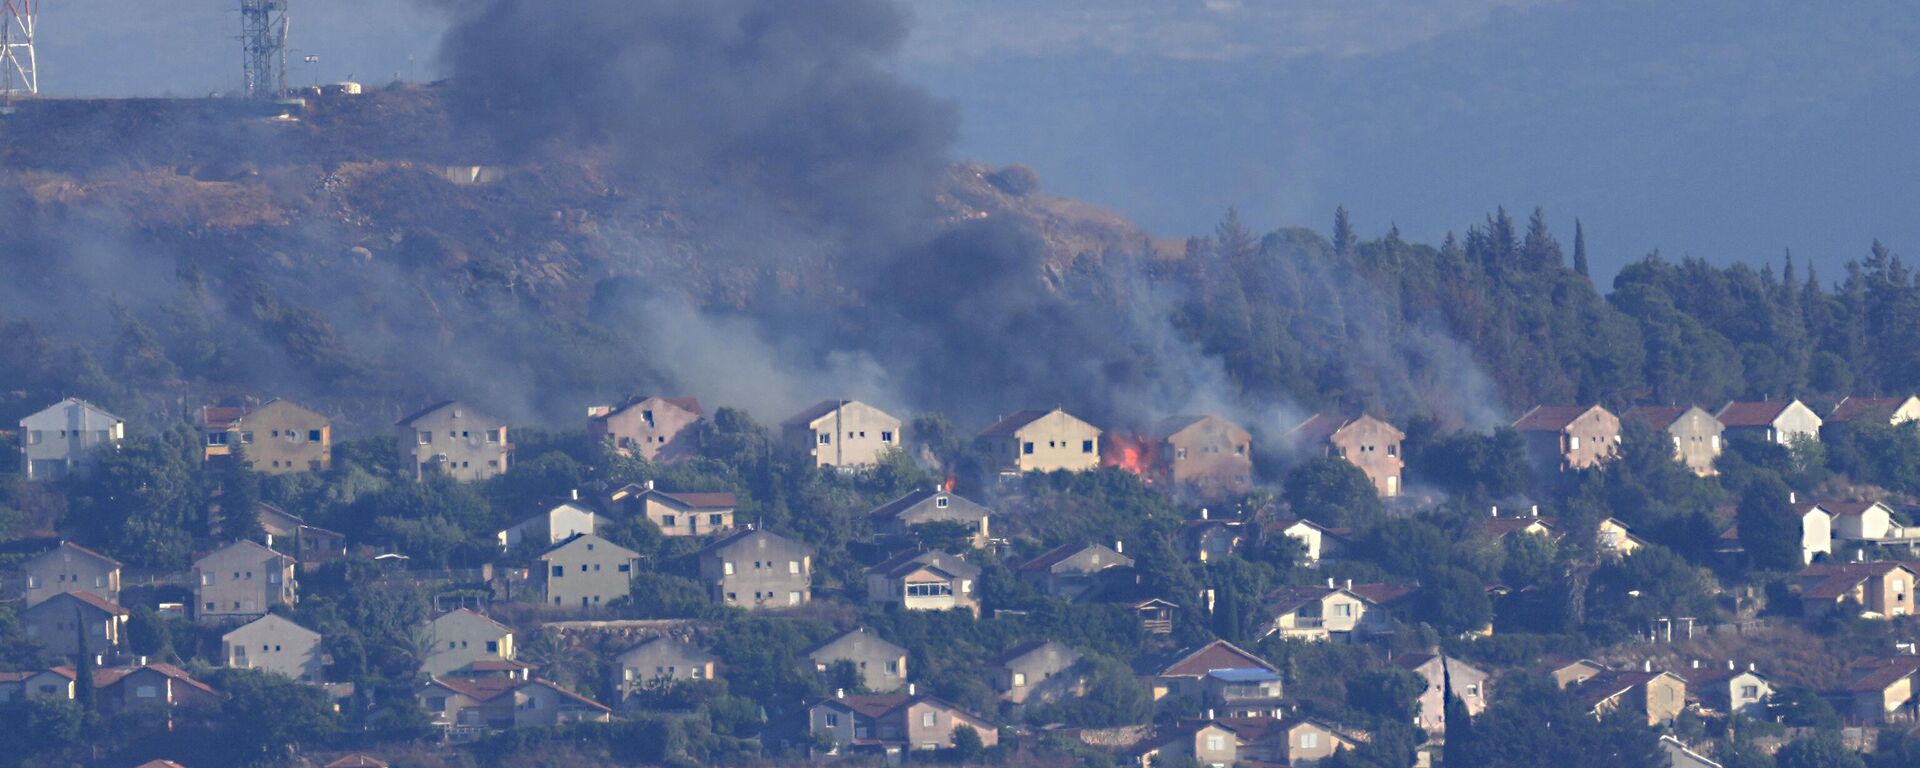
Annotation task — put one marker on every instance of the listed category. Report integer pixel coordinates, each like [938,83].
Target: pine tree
[1580,249]
[1456,724]
[1342,232]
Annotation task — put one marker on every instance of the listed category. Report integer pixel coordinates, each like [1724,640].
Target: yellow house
[1043,441]
[278,437]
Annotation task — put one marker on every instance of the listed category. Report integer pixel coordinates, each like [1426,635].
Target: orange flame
[947,487]
[1133,453]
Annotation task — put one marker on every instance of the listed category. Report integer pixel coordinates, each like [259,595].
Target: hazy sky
[1720,128]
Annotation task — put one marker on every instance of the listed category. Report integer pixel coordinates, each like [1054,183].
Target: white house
[60,439]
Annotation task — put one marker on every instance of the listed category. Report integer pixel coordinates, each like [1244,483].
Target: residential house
[1204,452]
[1371,444]
[687,513]
[1156,615]
[661,661]
[1615,538]
[56,683]
[1569,437]
[277,645]
[1325,612]
[1882,689]
[1816,531]
[147,685]
[1892,411]
[71,568]
[587,571]
[311,545]
[358,761]
[456,439]
[1868,523]
[1729,690]
[60,439]
[927,507]
[278,437]
[1204,743]
[1293,741]
[882,665]
[1494,529]
[893,723]
[925,581]
[842,433]
[1568,673]
[1042,441]
[756,569]
[1697,435]
[1318,541]
[458,639]
[653,428]
[475,705]
[1680,756]
[1657,696]
[240,582]
[1210,538]
[1185,671]
[1469,683]
[1775,421]
[1244,692]
[1072,570]
[1037,669]
[558,523]
[1875,590]
[58,622]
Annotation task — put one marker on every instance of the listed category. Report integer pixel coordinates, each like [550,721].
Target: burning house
[1371,444]
[1208,453]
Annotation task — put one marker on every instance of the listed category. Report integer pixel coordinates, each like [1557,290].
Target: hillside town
[1161,595]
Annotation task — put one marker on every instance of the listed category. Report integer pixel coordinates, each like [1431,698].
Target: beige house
[1205,452]
[882,665]
[61,439]
[274,644]
[1324,612]
[1886,410]
[1371,444]
[71,568]
[1318,541]
[309,544]
[558,523]
[661,661]
[1072,570]
[1206,742]
[687,513]
[1042,441]
[466,707]
[755,569]
[893,723]
[1658,696]
[1882,689]
[923,507]
[240,582]
[1570,437]
[1775,421]
[1872,590]
[586,571]
[925,581]
[1697,435]
[1729,690]
[456,640]
[1037,669]
[1568,673]
[1868,522]
[19,686]
[1615,538]
[1185,671]
[1816,531]
[842,433]
[653,428]
[278,437]
[58,622]
[456,439]
[1291,741]
[1469,683]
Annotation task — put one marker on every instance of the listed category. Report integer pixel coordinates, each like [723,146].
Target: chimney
[1119,547]
[142,661]
[910,689]
[649,485]
[1729,665]
[1535,510]
[1203,513]
[1329,582]
[576,494]
[1647,666]
[1349,583]
[1493,511]
[839,693]
[1752,667]
[1696,663]
[1209,714]
[1792,497]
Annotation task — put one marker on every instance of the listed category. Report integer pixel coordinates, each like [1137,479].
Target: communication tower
[20,77]
[263,36]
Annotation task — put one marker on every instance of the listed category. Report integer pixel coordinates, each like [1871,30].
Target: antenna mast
[263,36]
[18,76]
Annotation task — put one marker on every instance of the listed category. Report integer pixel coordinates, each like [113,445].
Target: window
[206,579]
[1086,446]
[930,589]
[826,438]
[669,521]
[246,438]
[493,646]
[497,435]
[886,437]
[1026,448]
[1216,742]
[1309,740]
[583,567]
[436,703]
[213,438]
[893,666]
[793,598]
[626,567]
[1473,689]
[647,416]
[33,582]
[793,567]
[940,503]
[425,437]
[833,720]
[1573,442]
[35,436]
[731,597]
[1343,610]
[559,570]
[927,719]
[1179,454]
[727,568]
[313,435]
[1749,691]
[1019,679]
[715,519]
[146,692]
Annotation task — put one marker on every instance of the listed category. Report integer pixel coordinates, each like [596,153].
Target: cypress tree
[1455,722]
[1580,249]
[1342,232]
[83,668]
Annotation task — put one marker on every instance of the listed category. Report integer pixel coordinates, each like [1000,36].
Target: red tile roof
[869,705]
[222,418]
[1384,594]
[1879,408]
[1218,654]
[1828,581]
[1055,556]
[703,499]
[688,404]
[1012,423]
[96,601]
[68,545]
[1759,413]
[1877,674]
[1318,428]
[1551,418]
[1660,416]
